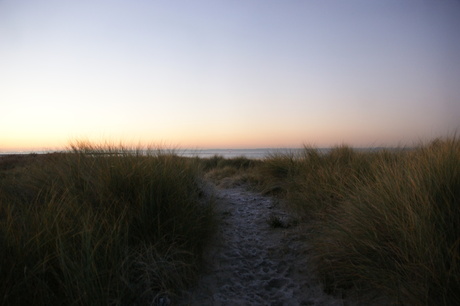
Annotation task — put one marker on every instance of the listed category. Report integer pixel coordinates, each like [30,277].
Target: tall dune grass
[385,221]
[230,172]
[100,225]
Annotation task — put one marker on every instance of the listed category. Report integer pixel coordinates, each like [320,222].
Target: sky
[228,74]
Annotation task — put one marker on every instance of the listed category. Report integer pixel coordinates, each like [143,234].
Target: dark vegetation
[115,226]
[384,221]
[100,225]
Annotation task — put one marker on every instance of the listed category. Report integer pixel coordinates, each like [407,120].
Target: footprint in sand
[252,263]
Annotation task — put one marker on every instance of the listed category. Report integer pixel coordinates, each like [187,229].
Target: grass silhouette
[102,224]
[98,225]
[387,221]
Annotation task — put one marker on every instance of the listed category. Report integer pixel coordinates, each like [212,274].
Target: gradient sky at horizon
[228,74]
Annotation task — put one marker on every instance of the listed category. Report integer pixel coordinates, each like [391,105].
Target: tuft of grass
[231,172]
[219,162]
[100,225]
[276,221]
[384,221]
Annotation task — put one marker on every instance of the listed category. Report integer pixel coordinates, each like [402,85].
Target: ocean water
[204,153]
[231,153]
[262,153]
[228,153]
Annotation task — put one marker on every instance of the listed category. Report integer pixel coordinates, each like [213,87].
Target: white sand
[252,263]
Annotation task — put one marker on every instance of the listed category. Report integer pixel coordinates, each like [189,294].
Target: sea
[232,153]
[262,153]
[201,153]
[226,153]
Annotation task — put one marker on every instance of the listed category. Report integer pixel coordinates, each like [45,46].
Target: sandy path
[252,263]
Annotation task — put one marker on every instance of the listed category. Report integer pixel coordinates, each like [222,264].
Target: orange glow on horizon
[196,79]
[217,140]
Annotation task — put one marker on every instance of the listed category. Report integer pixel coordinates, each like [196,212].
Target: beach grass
[100,224]
[231,172]
[114,225]
[386,222]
